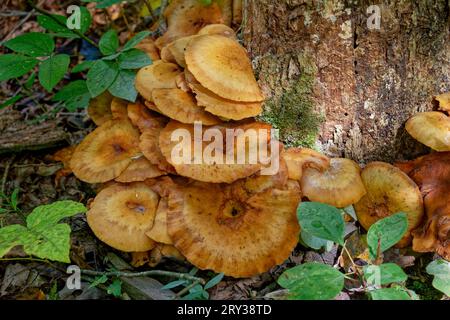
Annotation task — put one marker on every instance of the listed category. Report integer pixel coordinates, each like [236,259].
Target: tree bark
[367,82]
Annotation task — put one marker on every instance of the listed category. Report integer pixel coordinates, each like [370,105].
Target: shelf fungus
[389,191]
[340,185]
[106,152]
[432,175]
[209,154]
[221,65]
[121,215]
[430,128]
[298,159]
[233,229]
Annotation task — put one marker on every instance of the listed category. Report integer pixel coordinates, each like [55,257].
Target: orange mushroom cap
[210,170]
[187,17]
[99,109]
[389,191]
[159,75]
[430,128]
[221,65]
[120,216]
[140,169]
[181,106]
[444,101]
[340,185]
[298,159]
[432,175]
[218,29]
[106,152]
[224,108]
[232,230]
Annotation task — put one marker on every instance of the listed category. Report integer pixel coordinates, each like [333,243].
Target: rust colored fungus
[432,175]
[234,229]
[222,66]
[340,185]
[389,191]
[120,216]
[106,152]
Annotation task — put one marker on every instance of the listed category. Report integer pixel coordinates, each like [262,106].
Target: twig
[162,21]
[34,260]
[150,10]
[182,276]
[5,173]
[186,290]
[14,13]
[48,14]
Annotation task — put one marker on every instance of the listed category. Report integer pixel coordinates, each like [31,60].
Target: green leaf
[123,87]
[30,81]
[99,280]
[14,65]
[135,40]
[174,284]
[33,44]
[384,274]
[73,89]
[214,281]
[43,237]
[115,288]
[51,25]
[49,242]
[75,95]
[312,281]
[440,269]
[50,214]
[100,77]
[52,70]
[206,2]
[388,231]
[395,293]
[107,3]
[85,65]
[86,19]
[15,198]
[322,221]
[134,59]
[109,42]
[314,242]
[11,236]
[112,56]
[11,101]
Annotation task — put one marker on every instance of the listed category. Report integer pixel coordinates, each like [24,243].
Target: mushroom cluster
[227,217]
[218,215]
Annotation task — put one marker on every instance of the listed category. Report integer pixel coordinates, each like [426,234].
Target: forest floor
[38,179]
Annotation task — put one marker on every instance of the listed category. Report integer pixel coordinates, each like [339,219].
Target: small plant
[43,236]
[321,224]
[115,71]
[114,287]
[193,290]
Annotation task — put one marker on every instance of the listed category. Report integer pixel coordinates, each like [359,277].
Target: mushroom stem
[178,275]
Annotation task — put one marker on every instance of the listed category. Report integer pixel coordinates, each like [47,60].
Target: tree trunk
[366,82]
